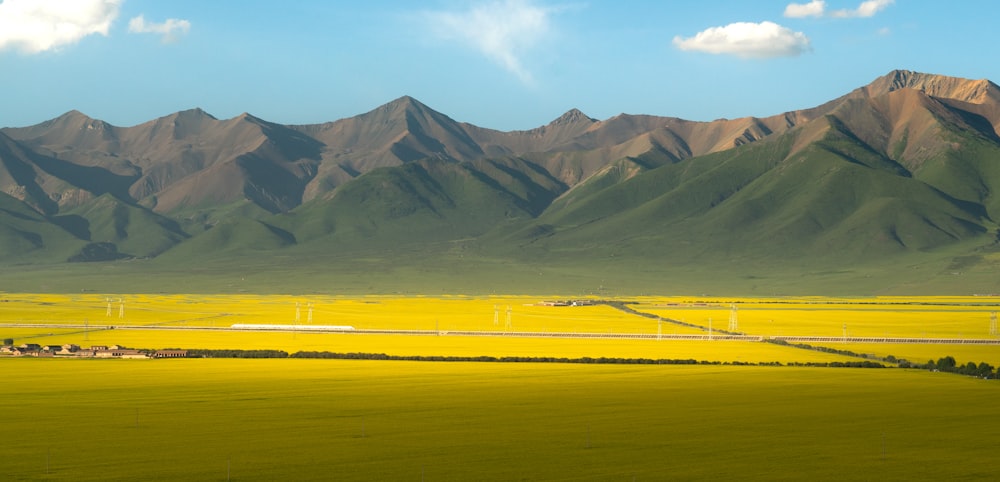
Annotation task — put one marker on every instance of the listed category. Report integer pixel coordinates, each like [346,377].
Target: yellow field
[921,353]
[376,312]
[268,420]
[951,317]
[888,318]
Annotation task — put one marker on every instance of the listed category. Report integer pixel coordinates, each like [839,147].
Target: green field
[358,420]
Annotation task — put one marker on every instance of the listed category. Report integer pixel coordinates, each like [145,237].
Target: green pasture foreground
[243,420]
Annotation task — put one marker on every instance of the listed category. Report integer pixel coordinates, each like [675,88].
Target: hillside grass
[462,267]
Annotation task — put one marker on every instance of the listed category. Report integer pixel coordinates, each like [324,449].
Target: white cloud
[747,40]
[170,29]
[867,8]
[817,8]
[34,26]
[814,8]
[503,30]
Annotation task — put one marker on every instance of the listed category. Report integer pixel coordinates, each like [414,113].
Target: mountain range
[888,186]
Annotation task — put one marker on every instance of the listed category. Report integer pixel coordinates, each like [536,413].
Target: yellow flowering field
[950,317]
[924,317]
[921,353]
[375,312]
[249,420]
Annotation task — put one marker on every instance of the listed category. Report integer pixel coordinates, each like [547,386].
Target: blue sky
[502,64]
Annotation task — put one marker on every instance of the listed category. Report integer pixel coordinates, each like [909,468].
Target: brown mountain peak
[248,117]
[399,110]
[940,86]
[73,115]
[191,114]
[404,103]
[573,116]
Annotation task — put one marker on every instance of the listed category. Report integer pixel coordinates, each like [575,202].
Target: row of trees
[237,354]
[949,365]
[945,364]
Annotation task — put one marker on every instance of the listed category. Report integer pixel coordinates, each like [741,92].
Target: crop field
[295,419]
[383,420]
[922,353]
[949,317]
[375,312]
[953,317]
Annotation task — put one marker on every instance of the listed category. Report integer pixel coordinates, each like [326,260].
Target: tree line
[944,364]
[506,359]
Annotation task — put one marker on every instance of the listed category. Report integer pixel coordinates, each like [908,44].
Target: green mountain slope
[134,230]
[29,237]
[430,200]
[833,202]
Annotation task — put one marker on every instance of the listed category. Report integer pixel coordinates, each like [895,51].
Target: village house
[170,354]
[116,351]
[68,349]
[96,351]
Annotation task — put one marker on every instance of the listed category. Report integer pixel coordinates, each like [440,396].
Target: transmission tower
[508,325]
[309,314]
[496,315]
[734,324]
[109,307]
[121,308]
[993,324]
[298,312]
